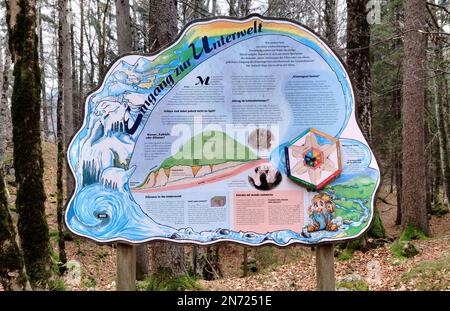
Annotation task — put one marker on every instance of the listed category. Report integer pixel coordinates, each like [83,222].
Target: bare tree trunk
[64,121]
[54,71]
[124,36]
[232,9]
[414,212]
[163,24]
[66,50]
[81,64]
[5,124]
[142,262]
[167,256]
[444,160]
[90,44]
[184,13]
[135,35]
[1,63]
[437,183]
[392,168]
[358,61]
[330,22]
[28,162]
[398,187]
[124,40]
[102,13]
[76,117]
[44,120]
[194,256]
[211,263]
[214,8]
[428,157]
[398,161]
[244,7]
[60,166]
[446,112]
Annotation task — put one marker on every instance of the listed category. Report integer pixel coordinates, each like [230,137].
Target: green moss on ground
[404,246]
[404,249]
[346,254]
[57,285]
[430,275]
[163,280]
[412,233]
[353,285]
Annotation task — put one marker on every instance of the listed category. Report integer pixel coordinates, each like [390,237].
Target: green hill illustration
[205,153]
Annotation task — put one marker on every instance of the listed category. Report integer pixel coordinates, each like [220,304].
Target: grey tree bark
[214,8]
[358,61]
[102,14]
[66,50]
[5,124]
[439,97]
[329,14]
[90,44]
[163,29]
[124,37]
[81,63]
[76,117]
[162,23]
[45,125]
[414,211]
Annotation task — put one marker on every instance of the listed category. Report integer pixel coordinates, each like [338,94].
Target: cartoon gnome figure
[322,211]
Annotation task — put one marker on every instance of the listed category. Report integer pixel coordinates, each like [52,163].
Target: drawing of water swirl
[110,214]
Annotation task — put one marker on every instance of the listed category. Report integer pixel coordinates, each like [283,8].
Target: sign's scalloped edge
[182,31]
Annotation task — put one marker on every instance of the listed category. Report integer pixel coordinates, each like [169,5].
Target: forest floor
[291,268]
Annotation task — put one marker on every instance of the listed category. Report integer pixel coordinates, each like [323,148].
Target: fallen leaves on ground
[378,267]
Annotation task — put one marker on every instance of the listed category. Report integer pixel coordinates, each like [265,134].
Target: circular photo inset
[265,177]
[260,139]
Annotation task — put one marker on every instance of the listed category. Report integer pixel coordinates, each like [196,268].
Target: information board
[190,144]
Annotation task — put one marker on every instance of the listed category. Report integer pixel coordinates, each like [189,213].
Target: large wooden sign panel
[241,130]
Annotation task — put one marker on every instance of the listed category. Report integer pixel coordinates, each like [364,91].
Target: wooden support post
[126,267]
[325,267]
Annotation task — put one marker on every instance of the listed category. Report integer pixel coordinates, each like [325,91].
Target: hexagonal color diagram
[313,159]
